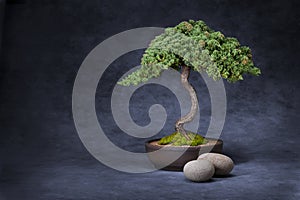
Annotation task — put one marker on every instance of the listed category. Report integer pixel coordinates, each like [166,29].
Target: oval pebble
[198,170]
[223,164]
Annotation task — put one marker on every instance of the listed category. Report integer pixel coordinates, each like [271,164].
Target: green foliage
[178,139]
[194,44]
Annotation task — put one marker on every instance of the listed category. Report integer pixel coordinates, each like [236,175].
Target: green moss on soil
[177,139]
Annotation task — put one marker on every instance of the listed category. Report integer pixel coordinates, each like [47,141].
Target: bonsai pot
[181,154]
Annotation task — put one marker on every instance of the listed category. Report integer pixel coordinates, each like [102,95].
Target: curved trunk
[190,116]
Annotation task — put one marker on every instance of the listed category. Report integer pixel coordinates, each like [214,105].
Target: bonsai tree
[192,45]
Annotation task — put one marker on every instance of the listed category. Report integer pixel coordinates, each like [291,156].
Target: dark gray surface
[2,5]
[44,43]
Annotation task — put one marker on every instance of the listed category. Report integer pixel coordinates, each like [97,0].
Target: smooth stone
[198,170]
[223,164]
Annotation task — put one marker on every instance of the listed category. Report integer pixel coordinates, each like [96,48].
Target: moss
[177,139]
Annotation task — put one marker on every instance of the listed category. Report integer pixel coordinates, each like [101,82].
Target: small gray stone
[223,164]
[198,170]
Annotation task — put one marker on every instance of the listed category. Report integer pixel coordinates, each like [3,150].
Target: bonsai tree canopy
[193,45]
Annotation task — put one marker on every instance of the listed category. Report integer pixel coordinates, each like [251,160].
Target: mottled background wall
[43,45]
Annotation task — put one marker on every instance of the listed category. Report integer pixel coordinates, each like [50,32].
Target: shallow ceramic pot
[181,154]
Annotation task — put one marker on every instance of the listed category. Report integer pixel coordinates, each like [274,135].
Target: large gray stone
[198,170]
[223,164]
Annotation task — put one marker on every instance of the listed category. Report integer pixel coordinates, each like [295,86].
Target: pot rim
[181,148]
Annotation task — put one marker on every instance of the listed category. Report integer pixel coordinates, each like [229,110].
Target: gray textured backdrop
[45,41]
